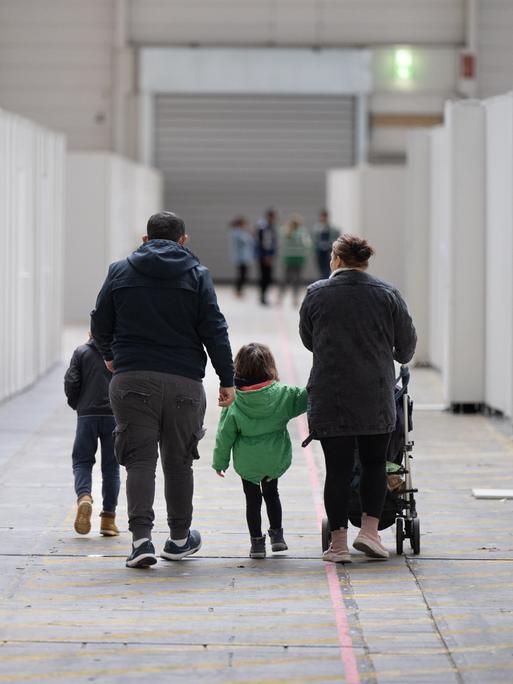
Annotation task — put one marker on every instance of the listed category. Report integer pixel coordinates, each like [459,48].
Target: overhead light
[403,65]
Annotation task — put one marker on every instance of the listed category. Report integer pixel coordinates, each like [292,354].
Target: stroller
[400,507]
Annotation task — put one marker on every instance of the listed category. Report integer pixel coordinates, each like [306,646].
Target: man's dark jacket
[355,325]
[86,382]
[158,311]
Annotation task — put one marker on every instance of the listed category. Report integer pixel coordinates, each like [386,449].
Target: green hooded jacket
[254,427]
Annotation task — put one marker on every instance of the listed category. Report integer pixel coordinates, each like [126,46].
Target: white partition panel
[464,373]
[31,224]
[369,201]
[109,200]
[417,236]
[439,249]
[499,254]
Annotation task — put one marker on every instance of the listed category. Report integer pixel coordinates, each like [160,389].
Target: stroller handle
[404,375]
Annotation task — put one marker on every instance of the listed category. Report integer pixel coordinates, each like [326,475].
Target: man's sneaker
[142,556]
[84,512]
[108,525]
[257,549]
[173,552]
[370,547]
[278,543]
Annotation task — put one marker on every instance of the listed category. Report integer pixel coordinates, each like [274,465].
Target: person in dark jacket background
[266,244]
[155,315]
[86,385]
[355,325]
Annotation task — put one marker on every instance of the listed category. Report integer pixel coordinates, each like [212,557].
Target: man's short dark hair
[165,226]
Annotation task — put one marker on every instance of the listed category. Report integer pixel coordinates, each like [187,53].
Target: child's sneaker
[84,512]
[257,549]
[108,525]
[278,543]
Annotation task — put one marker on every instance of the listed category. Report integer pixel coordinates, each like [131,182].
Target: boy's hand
[220,473]
[226,396]
[110,366]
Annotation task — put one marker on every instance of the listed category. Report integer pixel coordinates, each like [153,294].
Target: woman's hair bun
[363,253]
[353,250]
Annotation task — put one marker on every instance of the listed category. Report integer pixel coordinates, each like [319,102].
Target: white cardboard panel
[417,235]
[31,226]
[464,374]
[499,252]
[106,198]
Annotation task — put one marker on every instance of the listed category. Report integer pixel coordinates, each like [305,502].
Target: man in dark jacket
[155,316]
[266,242]
[86,384]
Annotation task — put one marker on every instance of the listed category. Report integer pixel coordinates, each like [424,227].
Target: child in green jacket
[254,429]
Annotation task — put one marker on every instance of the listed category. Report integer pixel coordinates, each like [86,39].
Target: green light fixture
[403,65]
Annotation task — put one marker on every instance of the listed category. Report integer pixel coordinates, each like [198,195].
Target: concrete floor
[70,610]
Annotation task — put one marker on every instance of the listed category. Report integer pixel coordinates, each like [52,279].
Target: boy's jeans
[157,410]
[90,429]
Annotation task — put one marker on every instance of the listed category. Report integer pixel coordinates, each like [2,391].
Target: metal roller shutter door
[238,154]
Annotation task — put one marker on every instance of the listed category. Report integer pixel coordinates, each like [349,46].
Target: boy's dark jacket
[86,382]
[157,311]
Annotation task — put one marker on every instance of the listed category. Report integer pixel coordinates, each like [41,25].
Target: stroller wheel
[399,535]
[415,536]
[326,534]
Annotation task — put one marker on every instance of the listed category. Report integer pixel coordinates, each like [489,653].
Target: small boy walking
[86,385]
[254,429]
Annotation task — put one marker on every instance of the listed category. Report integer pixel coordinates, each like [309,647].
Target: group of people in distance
[137,387]
[292,242]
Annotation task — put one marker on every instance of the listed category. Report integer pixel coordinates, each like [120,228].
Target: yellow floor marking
[218,584]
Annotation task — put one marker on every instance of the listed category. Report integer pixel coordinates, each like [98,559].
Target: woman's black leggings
[268,489]
[339,455]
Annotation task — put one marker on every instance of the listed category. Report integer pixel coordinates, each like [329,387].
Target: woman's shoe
[370,546]
[257,549]
[108,525]
[338,551]
[84,512]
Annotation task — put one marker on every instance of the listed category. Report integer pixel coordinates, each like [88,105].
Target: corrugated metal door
[221,156]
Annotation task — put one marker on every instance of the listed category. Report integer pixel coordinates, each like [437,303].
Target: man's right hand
[110,366]
[226,396]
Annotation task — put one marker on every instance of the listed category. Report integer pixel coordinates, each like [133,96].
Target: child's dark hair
[254,363]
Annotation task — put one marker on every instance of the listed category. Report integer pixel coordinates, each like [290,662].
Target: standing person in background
[266,244]
[294,247]
[155,320]
[86,385]
[324,235]
[243,250]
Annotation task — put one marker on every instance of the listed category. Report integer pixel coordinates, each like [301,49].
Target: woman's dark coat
[355,325]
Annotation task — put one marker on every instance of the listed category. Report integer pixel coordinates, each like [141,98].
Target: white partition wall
[369,201]
[464,372]
[109,200]
[31,222]
[499,254]
[417,236]
[438,254]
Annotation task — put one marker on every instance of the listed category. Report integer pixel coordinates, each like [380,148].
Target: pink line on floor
[347,653]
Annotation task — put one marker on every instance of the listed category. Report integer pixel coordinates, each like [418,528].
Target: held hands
[226,396]
[110,366]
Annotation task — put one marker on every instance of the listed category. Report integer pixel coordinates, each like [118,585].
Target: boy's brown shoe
[108,524]
[83,516]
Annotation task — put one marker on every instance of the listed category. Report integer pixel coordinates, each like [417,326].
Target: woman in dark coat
[355,325]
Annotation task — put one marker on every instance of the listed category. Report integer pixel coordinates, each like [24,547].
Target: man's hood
[162,259]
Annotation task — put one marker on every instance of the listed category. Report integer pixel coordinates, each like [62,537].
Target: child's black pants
[268,489]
